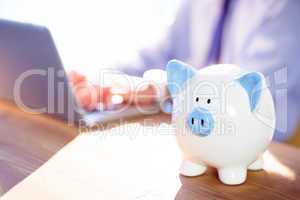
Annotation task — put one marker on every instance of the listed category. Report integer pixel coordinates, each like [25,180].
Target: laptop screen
[31,71]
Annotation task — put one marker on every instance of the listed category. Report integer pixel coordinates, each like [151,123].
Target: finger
[75,77]
[103,96]
[145,95]
[90,96]
[84,96]
[119,95]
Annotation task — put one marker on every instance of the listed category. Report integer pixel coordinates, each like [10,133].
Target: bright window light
[93,34]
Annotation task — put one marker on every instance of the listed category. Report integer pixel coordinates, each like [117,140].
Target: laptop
[32,76]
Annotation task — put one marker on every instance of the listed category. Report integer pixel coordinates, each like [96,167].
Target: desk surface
[137,160]
[26,142]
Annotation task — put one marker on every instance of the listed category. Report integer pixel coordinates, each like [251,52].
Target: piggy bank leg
[189,168]
[257,165]
[232,175]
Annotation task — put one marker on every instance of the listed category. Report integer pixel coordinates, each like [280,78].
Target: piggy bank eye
[197,99]
[208,101]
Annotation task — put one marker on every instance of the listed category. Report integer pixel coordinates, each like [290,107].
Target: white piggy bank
[223,116]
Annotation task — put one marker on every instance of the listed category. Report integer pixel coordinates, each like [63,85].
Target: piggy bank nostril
[202,122]
[193,121]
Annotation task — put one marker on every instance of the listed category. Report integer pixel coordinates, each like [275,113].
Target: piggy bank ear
[177,74]
[252,83]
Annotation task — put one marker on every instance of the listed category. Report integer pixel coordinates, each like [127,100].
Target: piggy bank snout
[200,121]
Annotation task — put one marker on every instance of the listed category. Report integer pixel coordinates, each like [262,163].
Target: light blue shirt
[258,35]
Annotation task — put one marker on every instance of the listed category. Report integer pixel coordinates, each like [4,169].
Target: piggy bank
[223,117]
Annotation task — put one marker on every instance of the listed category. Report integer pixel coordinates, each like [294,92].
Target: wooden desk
[27,142]
[139,160]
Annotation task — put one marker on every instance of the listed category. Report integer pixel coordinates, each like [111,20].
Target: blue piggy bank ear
[252,83]
[177,74]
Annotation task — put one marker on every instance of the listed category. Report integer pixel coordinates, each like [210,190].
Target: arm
[175,45]
[273,48]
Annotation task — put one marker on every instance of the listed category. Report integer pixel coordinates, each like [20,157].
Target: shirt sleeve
[273,48]
[174,45]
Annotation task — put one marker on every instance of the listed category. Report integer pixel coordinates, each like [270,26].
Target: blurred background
[96,33]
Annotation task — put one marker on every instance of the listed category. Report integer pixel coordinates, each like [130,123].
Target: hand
[91,96]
